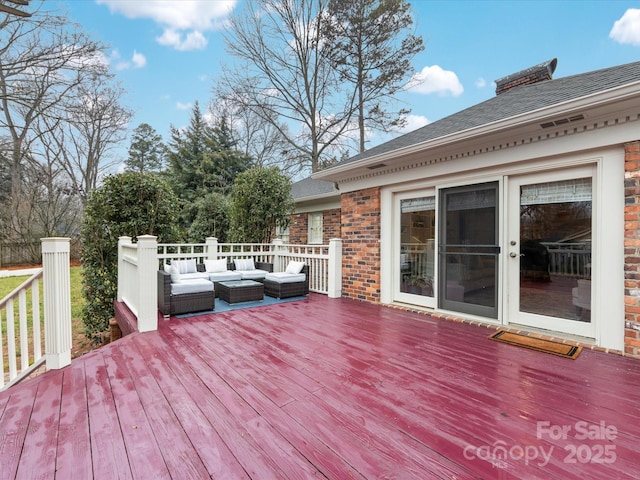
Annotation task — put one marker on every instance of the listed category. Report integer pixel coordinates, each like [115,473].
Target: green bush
[211,219]
[260,201]
[129,204]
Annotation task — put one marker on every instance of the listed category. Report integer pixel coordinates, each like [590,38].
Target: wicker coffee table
[236,291]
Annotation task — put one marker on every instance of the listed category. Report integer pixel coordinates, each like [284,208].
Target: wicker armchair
[287,289]
[170,304]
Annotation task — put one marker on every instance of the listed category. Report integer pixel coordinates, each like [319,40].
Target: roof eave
[533,117]
[319,197]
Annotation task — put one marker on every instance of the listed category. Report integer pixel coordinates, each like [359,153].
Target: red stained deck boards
[321,388]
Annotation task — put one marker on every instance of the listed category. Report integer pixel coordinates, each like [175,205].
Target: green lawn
[80,344]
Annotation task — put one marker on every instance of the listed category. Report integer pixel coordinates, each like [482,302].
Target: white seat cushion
[225,276]
[255,274]
[189,277]
[192,286]
[284,277]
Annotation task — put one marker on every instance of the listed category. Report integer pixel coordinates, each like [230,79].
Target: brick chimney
[538,73]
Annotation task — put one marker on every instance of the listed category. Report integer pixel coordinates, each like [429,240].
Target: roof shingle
[511,103]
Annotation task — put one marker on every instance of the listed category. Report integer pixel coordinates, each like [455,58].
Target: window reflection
[555,248]
[417,247]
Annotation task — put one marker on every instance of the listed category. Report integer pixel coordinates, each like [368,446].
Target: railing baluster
[1,354]
[24,334]
[11,341]
[35,315]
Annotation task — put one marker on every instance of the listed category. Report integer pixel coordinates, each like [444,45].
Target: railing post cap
[55,244]
[147,239]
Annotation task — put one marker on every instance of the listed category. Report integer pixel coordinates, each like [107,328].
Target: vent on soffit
[377,166]
[562,121]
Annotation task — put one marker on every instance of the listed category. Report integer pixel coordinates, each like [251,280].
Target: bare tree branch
[286,76]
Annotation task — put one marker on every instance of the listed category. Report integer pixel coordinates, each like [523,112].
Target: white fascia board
[322,197]
[617,94]
[318,202]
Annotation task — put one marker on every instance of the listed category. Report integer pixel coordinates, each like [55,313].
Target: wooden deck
[323,388]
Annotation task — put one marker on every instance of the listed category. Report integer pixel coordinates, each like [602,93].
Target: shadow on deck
[319,388]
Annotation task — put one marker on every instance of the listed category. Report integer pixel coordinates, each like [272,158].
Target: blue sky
[167,54]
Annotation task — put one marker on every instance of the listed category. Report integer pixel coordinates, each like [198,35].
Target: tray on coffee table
[236,291]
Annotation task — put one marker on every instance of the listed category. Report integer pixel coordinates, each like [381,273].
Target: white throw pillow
[215,266]
[185,266]
[244,264]
[175,274]
[294,267]
[167,268]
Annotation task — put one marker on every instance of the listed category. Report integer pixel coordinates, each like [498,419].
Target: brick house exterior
[360,248]
[299,226]
[578,132]
[632,248]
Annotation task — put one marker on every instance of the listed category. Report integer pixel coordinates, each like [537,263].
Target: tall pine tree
[372,51]
[202,160]
[146,153]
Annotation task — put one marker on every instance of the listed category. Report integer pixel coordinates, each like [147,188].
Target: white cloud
[138,59]
[193,40]
[481,83]
[627,29]
[414,122]
[183,106]
[436,80]
[184,21]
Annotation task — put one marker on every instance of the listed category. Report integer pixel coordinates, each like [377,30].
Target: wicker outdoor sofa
[199,295]
[198,290]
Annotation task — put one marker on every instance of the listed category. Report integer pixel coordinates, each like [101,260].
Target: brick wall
[299,229]
[632,248]
[361,244]
[331,225]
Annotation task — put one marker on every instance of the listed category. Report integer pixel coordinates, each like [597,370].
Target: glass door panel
[551,269]
[417,248]
[468,249]
[555,249]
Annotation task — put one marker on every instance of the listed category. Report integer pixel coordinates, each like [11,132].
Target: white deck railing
[21,335]
[569,259]
[325,261]
[139,262]
[137,279]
